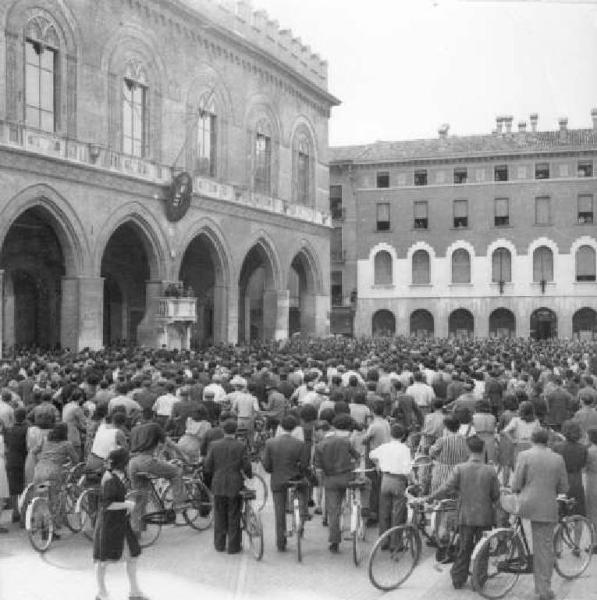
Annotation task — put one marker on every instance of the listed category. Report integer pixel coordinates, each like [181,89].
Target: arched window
[585,264]
[542,264]
[262,158]
[383,268]
[501,265]
[302,172]
[420,266]
[42,46]
[135,113]
[206,136]
[461,266]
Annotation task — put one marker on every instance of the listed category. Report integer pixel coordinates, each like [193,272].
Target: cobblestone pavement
[182,565]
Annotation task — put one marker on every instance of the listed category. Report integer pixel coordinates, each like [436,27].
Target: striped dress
[447,452]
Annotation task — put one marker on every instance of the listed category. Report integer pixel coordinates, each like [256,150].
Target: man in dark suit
[477,487]
[227,460]
[540,476]
[285,459]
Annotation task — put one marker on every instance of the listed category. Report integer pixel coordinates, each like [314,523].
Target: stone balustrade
[17,135]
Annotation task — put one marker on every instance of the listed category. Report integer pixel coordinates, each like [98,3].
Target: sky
[401,68]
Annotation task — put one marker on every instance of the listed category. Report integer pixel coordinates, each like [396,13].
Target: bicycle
[87,505]
[502,555]
[357,529]
[258,485]
[295,528]
[397,551]
[40,520]
[251,523]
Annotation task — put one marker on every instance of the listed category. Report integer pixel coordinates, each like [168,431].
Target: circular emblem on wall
[179,197]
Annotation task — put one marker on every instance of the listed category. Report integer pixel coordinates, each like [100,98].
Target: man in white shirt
[162,407]
[243,405]
[393,460]
[421,392]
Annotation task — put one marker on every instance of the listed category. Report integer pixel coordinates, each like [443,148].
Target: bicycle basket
[510,502]
[160,517]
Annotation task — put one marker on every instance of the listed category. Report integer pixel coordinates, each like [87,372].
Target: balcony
[19,136]
[172,310]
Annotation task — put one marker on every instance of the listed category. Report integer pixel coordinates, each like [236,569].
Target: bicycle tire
[398,546]
[147,533]
[200,515]
[25,498]
[39,524]
[72,518]
[254,530]
[488,574]
[258,485]
[573,546]
[87,506]
[298,530]
[358,531]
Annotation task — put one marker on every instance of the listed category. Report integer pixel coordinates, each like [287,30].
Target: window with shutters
[502,212]
[460,213]
[336,291]
[585,209]
[585,264]
[501,265]
[585,168]
[383,179]
[542,171]
[336,209]
[421,215]
[382,268]
[263,159]
[542,264]
[302,176]
[500,173]
[336,247]
[383,216]
[460,175]
[134,110]
[206,137]
[421,177]
[461,266]
[542,211]
[421,271]
[41,85]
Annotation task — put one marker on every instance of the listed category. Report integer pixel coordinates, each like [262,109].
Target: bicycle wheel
[87,507]
[200,514]
[358,531]
[254,530]
[25,498]
[147,533]
[394,557]
[258,485]
[573,546]
[39,524]
[497,563]
[72,518]
[298,529]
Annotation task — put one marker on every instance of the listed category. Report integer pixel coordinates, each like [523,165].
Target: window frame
[207,114]
[500,169]
[387,276]
[334,287]
[590,277]
[385,224]
[585,217]
[420,177]
[535,254]
[460,175]
[334,200]
[542,170]
[421,223]
[463,221]
[584,165]
[459,252]
[425,280]
[135,84]
[39,47]
[262,173]
[382,177]
[501,252]
[501,220]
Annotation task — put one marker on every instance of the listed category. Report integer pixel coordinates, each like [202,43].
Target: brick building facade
[468,235]
[102,104]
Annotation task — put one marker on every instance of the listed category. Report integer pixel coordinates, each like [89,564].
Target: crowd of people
[500,411]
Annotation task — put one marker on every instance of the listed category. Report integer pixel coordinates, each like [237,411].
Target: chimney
[443,131]
[522,126]
[594,117]
[534,118]
[508,121]
[498,122]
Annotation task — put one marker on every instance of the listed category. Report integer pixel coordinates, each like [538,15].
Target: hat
[321,388]
[238,381]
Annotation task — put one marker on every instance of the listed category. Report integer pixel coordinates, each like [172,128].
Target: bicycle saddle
[356,484]
[248,494]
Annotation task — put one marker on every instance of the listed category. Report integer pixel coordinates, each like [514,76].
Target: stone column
[82,313]
[220,314]
[322,315]
[229,322]
[270,314]
[282,315]
[150,332]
